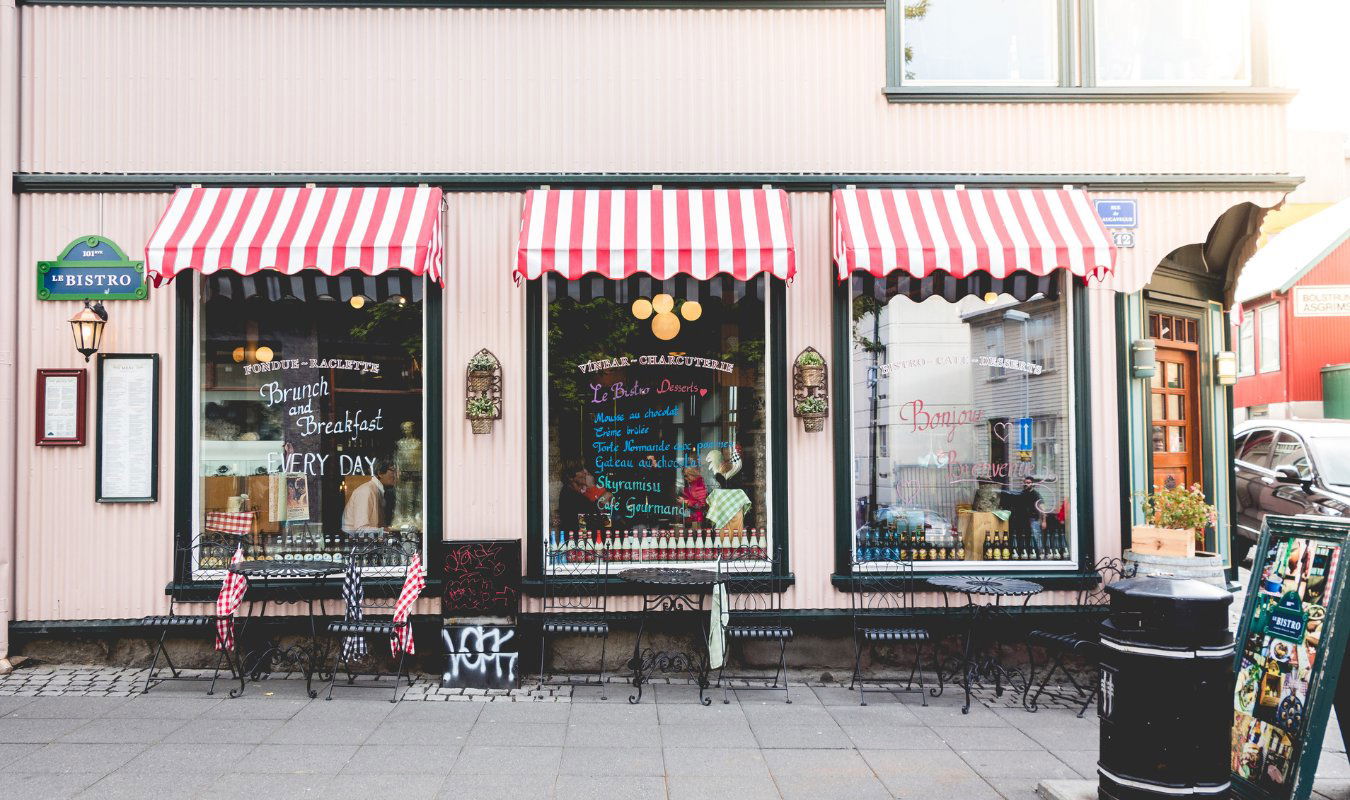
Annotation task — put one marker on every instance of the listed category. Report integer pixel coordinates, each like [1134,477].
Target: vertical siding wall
[589,90]
[77,559]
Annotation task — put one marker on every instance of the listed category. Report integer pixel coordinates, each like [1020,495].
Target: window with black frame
[310,403]
[657,447]
[961,420]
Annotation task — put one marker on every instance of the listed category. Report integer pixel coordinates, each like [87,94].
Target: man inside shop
[365,509]
[1028,512]
[579,498]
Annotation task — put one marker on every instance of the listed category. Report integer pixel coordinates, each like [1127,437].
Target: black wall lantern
[87,328]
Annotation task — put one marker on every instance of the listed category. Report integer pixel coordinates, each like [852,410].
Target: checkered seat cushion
[579,627]
[894,634]
[1060,641]
[364,627]
[177,621]
[774,632]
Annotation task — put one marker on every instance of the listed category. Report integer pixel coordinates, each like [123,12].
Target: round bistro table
[981,663]
[283,582]
[668,589]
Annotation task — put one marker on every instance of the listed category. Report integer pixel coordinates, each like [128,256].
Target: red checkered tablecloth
[237,522]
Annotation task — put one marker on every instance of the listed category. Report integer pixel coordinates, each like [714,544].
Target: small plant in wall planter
[812,410]
[481,411]
[482,361]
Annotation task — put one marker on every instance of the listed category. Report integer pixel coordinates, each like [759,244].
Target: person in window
[579,499]
[365,509]
[1028,512]
[694,497]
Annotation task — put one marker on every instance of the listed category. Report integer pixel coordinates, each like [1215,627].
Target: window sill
[1068,578]
[280,589]
[533,586]
[1077,94]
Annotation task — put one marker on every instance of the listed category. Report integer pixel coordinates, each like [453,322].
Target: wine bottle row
[572,547]
[914,545]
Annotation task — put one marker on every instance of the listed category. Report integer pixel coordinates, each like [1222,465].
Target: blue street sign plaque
[1118,213]
[92,268]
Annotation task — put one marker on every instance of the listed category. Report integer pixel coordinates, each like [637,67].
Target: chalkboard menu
[1291,640]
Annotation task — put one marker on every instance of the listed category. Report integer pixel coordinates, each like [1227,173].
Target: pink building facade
[111,108]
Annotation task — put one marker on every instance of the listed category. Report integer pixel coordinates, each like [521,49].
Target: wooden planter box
[1156,541]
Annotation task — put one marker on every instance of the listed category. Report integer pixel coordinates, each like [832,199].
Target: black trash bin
[1166,701]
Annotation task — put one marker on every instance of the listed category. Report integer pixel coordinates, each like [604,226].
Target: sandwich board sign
[1291,639]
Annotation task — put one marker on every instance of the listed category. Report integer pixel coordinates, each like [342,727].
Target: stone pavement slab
[275,741]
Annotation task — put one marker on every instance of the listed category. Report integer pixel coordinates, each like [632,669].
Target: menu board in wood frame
[126,455]
[59,409]
[1291,640]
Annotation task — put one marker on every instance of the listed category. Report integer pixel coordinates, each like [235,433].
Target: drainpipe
[9,232]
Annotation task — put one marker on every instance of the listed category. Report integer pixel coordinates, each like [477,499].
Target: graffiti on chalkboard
[482,578]
[479,657]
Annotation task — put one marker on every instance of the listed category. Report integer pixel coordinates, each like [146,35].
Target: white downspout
[9,255]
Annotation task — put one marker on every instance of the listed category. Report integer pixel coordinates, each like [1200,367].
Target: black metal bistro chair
[366,629]
[883,613]
[209,553]
[575,607]
[1079,639]
[753,613]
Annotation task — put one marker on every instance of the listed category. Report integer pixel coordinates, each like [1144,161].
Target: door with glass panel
[1174,411]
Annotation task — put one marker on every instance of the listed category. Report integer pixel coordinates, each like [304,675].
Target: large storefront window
[962,416]
[657,444]
[311,412]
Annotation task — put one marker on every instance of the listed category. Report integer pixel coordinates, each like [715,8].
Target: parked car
[1288,466]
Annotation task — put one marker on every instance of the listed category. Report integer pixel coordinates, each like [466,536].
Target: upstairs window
[1246,346]
[1269,322]
[1166,43]
[980,42]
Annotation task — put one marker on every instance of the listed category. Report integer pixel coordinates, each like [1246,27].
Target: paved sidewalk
[58,738]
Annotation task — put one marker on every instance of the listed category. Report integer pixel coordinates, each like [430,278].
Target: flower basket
[813,375]
[480,381]
[813,423]
[481,424]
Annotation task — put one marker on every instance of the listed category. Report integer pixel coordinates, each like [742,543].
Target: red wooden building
[1295,299]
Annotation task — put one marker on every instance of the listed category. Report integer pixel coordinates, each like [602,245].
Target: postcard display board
[1291,639]
[128,428]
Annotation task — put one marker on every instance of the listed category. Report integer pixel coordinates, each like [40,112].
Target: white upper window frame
[1246,345]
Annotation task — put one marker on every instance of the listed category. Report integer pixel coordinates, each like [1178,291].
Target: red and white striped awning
[960,231]
[372,229]
[660,232]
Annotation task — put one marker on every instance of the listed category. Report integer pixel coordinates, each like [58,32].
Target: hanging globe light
[642,308]
[691,310]
[665,326]
[663,303]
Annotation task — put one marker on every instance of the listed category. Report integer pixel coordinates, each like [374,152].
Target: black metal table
[978,663]
[668,589]
[284,582]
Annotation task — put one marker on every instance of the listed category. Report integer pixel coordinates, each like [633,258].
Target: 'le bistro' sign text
[91,268]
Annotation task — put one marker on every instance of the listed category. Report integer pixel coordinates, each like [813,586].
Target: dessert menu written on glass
[1285,663]
[127,389]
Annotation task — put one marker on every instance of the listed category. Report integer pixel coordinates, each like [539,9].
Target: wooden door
[1174,418]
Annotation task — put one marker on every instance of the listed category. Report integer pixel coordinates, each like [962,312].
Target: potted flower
[482,372]
[812,410]
[481,411]
[811,366]
[1177,518]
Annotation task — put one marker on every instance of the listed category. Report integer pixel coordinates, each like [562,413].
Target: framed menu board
[127,452]
[60,407]
[1292,637]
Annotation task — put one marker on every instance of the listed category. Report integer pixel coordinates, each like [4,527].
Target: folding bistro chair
[881,592]
[753,611]
[380,585]
[1092,606]
[213,551]
[575,608]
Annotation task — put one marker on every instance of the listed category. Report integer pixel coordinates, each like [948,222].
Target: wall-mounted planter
[483,391]
[810,390]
